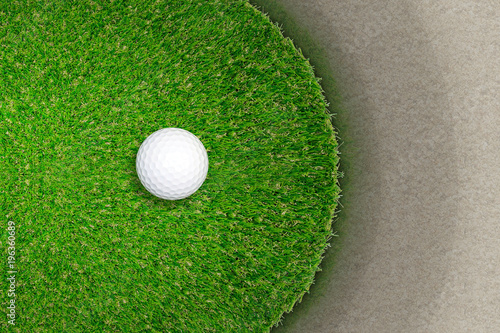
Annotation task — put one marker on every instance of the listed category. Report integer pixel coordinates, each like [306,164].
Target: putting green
[82,84]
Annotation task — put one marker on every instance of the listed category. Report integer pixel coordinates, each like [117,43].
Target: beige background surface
[420,84]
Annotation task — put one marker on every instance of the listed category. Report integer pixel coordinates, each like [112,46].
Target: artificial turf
[82,84]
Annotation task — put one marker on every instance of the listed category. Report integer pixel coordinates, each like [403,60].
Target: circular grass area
[82,84]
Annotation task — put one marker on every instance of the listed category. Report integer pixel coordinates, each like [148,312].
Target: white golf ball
[172,163]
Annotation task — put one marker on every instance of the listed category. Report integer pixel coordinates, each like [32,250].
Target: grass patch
[82,84]
[318,56]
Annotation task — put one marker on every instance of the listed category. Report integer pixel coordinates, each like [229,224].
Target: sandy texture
[421,87]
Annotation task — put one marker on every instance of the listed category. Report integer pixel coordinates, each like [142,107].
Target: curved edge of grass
[317,58]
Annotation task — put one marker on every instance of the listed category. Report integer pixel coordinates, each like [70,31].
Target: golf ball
[172,163]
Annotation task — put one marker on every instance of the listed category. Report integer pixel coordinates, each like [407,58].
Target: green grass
[314,50]
[82,84]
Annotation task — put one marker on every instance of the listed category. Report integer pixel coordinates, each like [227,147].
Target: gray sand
[420,82]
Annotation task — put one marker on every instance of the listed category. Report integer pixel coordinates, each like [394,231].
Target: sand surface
[420,82]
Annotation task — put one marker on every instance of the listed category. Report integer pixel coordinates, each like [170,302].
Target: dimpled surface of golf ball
[172,163]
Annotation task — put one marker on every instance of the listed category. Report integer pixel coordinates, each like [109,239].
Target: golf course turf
[82,84]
